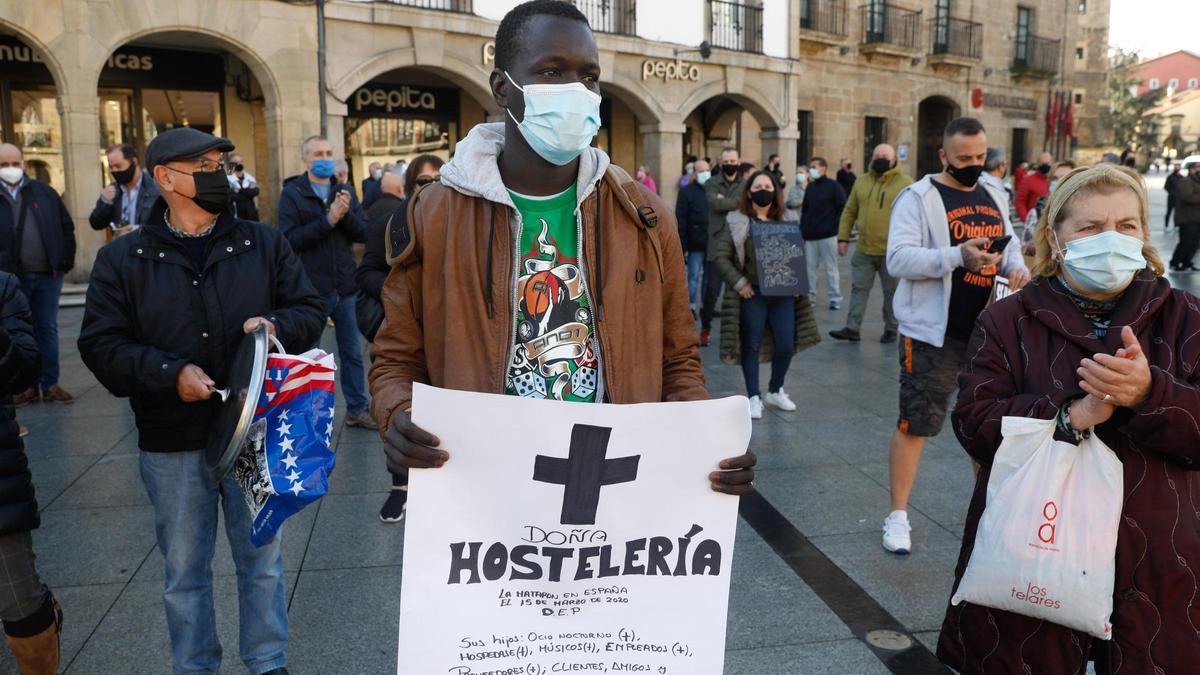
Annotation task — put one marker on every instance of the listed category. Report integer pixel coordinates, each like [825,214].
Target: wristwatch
[1064,424]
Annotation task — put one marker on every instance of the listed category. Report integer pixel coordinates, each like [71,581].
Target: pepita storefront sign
[377,99]
[670,70]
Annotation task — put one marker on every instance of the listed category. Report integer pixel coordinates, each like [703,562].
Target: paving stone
[79,547]
[349,533]
[849,657]
[360,468]
[113,480]
[83,607]
[913,588]
[345,621]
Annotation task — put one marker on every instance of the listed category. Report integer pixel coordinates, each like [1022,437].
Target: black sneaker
[395,506]
[845,334]
[888,337]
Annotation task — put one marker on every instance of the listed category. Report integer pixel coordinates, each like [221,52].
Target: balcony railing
[891,25]
[610,16]
[460,6]
[734,25]
[956,37]
[825,16]
[1037,54]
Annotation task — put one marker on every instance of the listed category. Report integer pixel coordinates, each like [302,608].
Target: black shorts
[928,377]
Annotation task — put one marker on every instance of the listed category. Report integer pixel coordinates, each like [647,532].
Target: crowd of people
[528,233]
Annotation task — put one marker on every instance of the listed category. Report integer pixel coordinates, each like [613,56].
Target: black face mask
[881,166]
[967,176]
[238,167]
[763,197]
[212,190]
[730,170]
[125,176]
[1043,168]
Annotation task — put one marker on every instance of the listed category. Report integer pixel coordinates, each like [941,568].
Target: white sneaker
[896,531]
[756,409]
[779,399]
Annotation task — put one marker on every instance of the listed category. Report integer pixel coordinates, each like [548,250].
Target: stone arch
[765,113]
[636,96]
[471,78]
[48,58]
[257,64]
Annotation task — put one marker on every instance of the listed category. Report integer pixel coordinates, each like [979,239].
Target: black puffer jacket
[19,366]
[323,248]
[150,312]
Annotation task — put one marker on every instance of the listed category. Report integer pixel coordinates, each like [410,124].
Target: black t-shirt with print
[970,215]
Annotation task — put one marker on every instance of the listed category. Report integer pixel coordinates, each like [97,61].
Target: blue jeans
[349,346]
[757,313]
[695,274]
[185,502]
[42,290]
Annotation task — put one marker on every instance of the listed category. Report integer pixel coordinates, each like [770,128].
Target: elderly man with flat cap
[166,309]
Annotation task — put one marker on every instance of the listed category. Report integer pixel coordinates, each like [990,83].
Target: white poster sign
[569,537]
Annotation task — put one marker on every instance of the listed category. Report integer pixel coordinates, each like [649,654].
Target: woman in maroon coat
[1104,345]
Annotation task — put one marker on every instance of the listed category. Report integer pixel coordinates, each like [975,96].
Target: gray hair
[309,141]
[995,157]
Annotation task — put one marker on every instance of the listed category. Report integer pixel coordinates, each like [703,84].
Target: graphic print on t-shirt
[970,215]
[554,355]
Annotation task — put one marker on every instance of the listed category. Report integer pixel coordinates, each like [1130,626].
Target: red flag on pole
[1069,125]
[1051,114]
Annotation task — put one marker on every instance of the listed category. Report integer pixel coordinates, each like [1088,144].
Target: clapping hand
[339,207]
[1123,379]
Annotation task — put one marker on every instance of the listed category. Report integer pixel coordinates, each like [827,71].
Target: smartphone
[999,244]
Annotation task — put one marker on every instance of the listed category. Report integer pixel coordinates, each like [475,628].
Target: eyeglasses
[203,165]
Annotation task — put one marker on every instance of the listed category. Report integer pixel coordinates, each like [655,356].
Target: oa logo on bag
[1046,531]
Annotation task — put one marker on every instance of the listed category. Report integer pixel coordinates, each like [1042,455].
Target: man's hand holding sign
[408,446]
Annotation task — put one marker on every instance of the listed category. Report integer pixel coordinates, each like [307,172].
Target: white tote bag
[1047,540]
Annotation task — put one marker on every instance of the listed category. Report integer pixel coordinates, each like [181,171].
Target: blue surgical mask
[321,168]
[1105,262]
[703,177]
[560,119]
[815,173]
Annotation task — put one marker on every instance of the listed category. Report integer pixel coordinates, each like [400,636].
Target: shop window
[804,144]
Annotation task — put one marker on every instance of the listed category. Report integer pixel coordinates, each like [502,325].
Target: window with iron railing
[460,6]
[610,16]
[884,23]
[735,25]
[824,16]
[956,37]
[1036,53]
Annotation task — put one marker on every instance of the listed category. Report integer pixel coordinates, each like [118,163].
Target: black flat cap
[183,143]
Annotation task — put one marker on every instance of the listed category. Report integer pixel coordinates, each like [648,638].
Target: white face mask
[12,174]
[1105,262]
[560,119]
[703,177]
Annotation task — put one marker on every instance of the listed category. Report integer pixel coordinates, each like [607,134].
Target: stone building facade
[791,77]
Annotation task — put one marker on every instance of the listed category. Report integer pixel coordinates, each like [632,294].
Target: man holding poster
[536,268]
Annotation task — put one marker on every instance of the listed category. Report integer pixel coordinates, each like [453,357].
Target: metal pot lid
[246,377]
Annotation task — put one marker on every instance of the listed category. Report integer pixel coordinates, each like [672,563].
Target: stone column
[79,109]
[662,149]
[782,142]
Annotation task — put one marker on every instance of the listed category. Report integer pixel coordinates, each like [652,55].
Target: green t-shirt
[554,355]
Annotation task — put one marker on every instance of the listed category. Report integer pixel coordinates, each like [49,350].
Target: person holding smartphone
[940,248]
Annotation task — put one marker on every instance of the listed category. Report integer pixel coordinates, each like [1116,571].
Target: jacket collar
[1047,301]
[157,227]
[300,182]
[474,172]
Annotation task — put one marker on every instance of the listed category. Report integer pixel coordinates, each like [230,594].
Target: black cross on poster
[584,472]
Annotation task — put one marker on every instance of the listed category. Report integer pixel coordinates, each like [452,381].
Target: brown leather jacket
[449,299]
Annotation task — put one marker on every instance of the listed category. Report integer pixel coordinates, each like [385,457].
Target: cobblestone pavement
[808,577]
